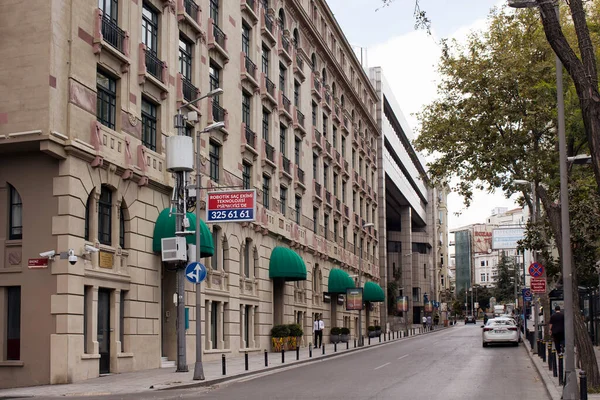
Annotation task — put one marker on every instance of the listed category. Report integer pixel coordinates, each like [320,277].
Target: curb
[553,393]
[217,381]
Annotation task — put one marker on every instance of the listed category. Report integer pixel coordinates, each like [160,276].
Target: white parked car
[500,330]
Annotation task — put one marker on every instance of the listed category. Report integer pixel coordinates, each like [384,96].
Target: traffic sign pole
[198,367]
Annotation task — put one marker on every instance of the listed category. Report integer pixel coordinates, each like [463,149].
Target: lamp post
[570,389]
[360,336]
[181,358]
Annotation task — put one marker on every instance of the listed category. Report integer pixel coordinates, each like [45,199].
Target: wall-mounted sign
[34,263]
[231,206]
[402,303]
[354,299]
[340,299]
[428,307]
[326,298]
[105,259]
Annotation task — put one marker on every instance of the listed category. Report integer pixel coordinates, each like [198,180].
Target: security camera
[72,257]
[91,249]
[48,254]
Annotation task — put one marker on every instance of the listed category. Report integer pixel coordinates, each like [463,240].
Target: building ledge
[90,356]
[124,355]
[12,363]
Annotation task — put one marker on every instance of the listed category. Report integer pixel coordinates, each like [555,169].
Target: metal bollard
[380,338]
[310,350]
[335,347]
[266,359]
[543,351]
[369,340]
[549,355]
[583,394]
[282,356]
[347,345]
[539,353]
[223,366]
[354,342]
[554,366]
[323,349]
[246,360]
[560,370]
[297,352]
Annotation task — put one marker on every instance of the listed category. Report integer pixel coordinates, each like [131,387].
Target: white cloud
[409,64]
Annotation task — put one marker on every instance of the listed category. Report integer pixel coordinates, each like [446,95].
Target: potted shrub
[335,335]
[371,330]
[377,330]
[295,336]
[345,335]
[279,335]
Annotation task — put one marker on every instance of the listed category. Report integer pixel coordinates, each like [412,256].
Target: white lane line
[404,356]
[381,366]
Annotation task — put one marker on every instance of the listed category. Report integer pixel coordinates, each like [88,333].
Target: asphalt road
[445,365]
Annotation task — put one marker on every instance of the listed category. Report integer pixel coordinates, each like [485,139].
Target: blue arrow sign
[195,272]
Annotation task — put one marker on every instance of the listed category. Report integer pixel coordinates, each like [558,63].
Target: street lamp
[570,390]
[181,362]
[360,336]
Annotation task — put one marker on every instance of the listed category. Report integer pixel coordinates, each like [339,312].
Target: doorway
[104,329]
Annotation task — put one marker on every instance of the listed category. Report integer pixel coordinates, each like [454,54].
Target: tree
[505,280]
[494,122]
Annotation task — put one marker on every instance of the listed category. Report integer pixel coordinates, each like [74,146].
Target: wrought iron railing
[327,146]
[338,204]
[317,84]
[318,189]
[154,65]
[250,67]
[191,9]
[300,118]
[346,212]
[318,137]
[285,43]
[219,36]
[269,23]
[299,62]
[270,152]
[250,4]
[286,102]
[189,90]
[286,164]
[301,175]
[250,137]
[328,196]
[327,98]
[218,112]
[270,86]
[112,34]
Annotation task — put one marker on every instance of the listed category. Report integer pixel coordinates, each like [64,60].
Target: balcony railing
[154,65]
[338,205]
[345,165]
[286,164]
[317,84]
[112,34]
[327,146]
[250,67]
[299,62]
[301,175]
[318,136]
[250,137]
[318,189]
[327,98]
[346,212]
[270,152]
[300,118]
[191,9]
[189,90]
[218,112]
[270,86]
[328,196]
[285,43]
[250,4]
[269,23]
[219,36]
[286,102]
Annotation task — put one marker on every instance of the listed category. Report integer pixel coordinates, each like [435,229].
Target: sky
[409,60]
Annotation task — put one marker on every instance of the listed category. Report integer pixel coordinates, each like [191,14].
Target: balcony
[338,206]
[328,148]
[355,181]
[154,70]
[154,65]
[285,106]
[299,179]
[317,192]
[217,42]
[113,35]
[249,10]
[216,113]
[338,159]
[317,139]
[346,170]
[346,124]
[248,70]
[268,157]
[328,197]
[298,66]
[356,221]
[346,212]
[285,165]
[267,27]
[248,141]
[284,48]
[326,102]
[267,89]
[336,113]
[315,86]
[299,121]
[107,35]
[190,92]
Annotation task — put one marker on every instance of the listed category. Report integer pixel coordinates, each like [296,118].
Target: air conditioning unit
[174,249]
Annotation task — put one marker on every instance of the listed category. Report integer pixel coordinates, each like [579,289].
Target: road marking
[404,356]
[381,366]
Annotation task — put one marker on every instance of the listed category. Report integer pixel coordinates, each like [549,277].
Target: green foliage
[295,330]
[371,328]
[505,280]
[345,331]
[335,330]
[280,331]
[377,327]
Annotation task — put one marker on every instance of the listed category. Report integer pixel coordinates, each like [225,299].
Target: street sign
[527,295]
[538,285]
[195,272]
[34,263]
[536,270]
[231,206]
[354,299]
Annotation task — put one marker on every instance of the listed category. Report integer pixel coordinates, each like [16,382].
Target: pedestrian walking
[557,329]
[436,319]
[429,326]
[424,323]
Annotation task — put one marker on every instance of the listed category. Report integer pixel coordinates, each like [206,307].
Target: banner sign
[428,307]
[231,206]
[507,238]
[402,303]
[354,299]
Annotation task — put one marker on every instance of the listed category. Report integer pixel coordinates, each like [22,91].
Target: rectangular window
[326,225]
[214,11]
[246,175]
[87,306]
[13,323]
[353,159]
[344,147]
[246,109]
[282,80]
[265,125]
[185,59]
[265,57]
[214,77]
[122,226]
[245,39]
[355,242]
[106,104]
[247,311]
[105,216]
[482,277]
[266,191]
[149,125]
[122,320]
[15,223]
[214,157]
[335,230]
[335,184]
[315,164]
[325,173]
[482,263]
[282,139]
[214,260]
[314,114]
[296,93]
[109,8]
[214,320]
[297,145]
[334,137]
[298,208]
[325,123]
[282,199]
[315,219]
[345,235]
[354,201]
[343,191]
[150,28]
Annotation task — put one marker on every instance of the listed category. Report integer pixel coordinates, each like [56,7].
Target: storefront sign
[402,303]
[354,299]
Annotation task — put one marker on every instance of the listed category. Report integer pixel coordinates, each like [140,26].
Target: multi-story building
[90,94]
[413,235]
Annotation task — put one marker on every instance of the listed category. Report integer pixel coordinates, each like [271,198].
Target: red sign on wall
[538,285]
[231,206]
[33,263]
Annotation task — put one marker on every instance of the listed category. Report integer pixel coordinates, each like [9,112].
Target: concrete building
[413,235]
[91,89]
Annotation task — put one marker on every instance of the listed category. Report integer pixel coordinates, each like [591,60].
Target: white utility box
[191,252]
[180,154]
[174,249]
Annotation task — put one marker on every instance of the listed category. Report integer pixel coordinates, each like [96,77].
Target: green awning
[373,293]
[339,281]
[165,228]
[287,264]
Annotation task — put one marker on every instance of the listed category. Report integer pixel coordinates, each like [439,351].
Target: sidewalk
[167,378]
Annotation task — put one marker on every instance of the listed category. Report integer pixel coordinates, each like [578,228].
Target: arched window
[333,89]
[246,258]
[296,37]
[324,76]
[214,259]
[225,253]
[316,281]
[342,101]
[15,216]
[122,218]
[256,262]
[313,61]
[281,19]
[359,126]
[105,216]
[352,115]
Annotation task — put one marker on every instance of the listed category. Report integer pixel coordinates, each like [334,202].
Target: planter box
[345,338]
[372,334]
[334,338]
